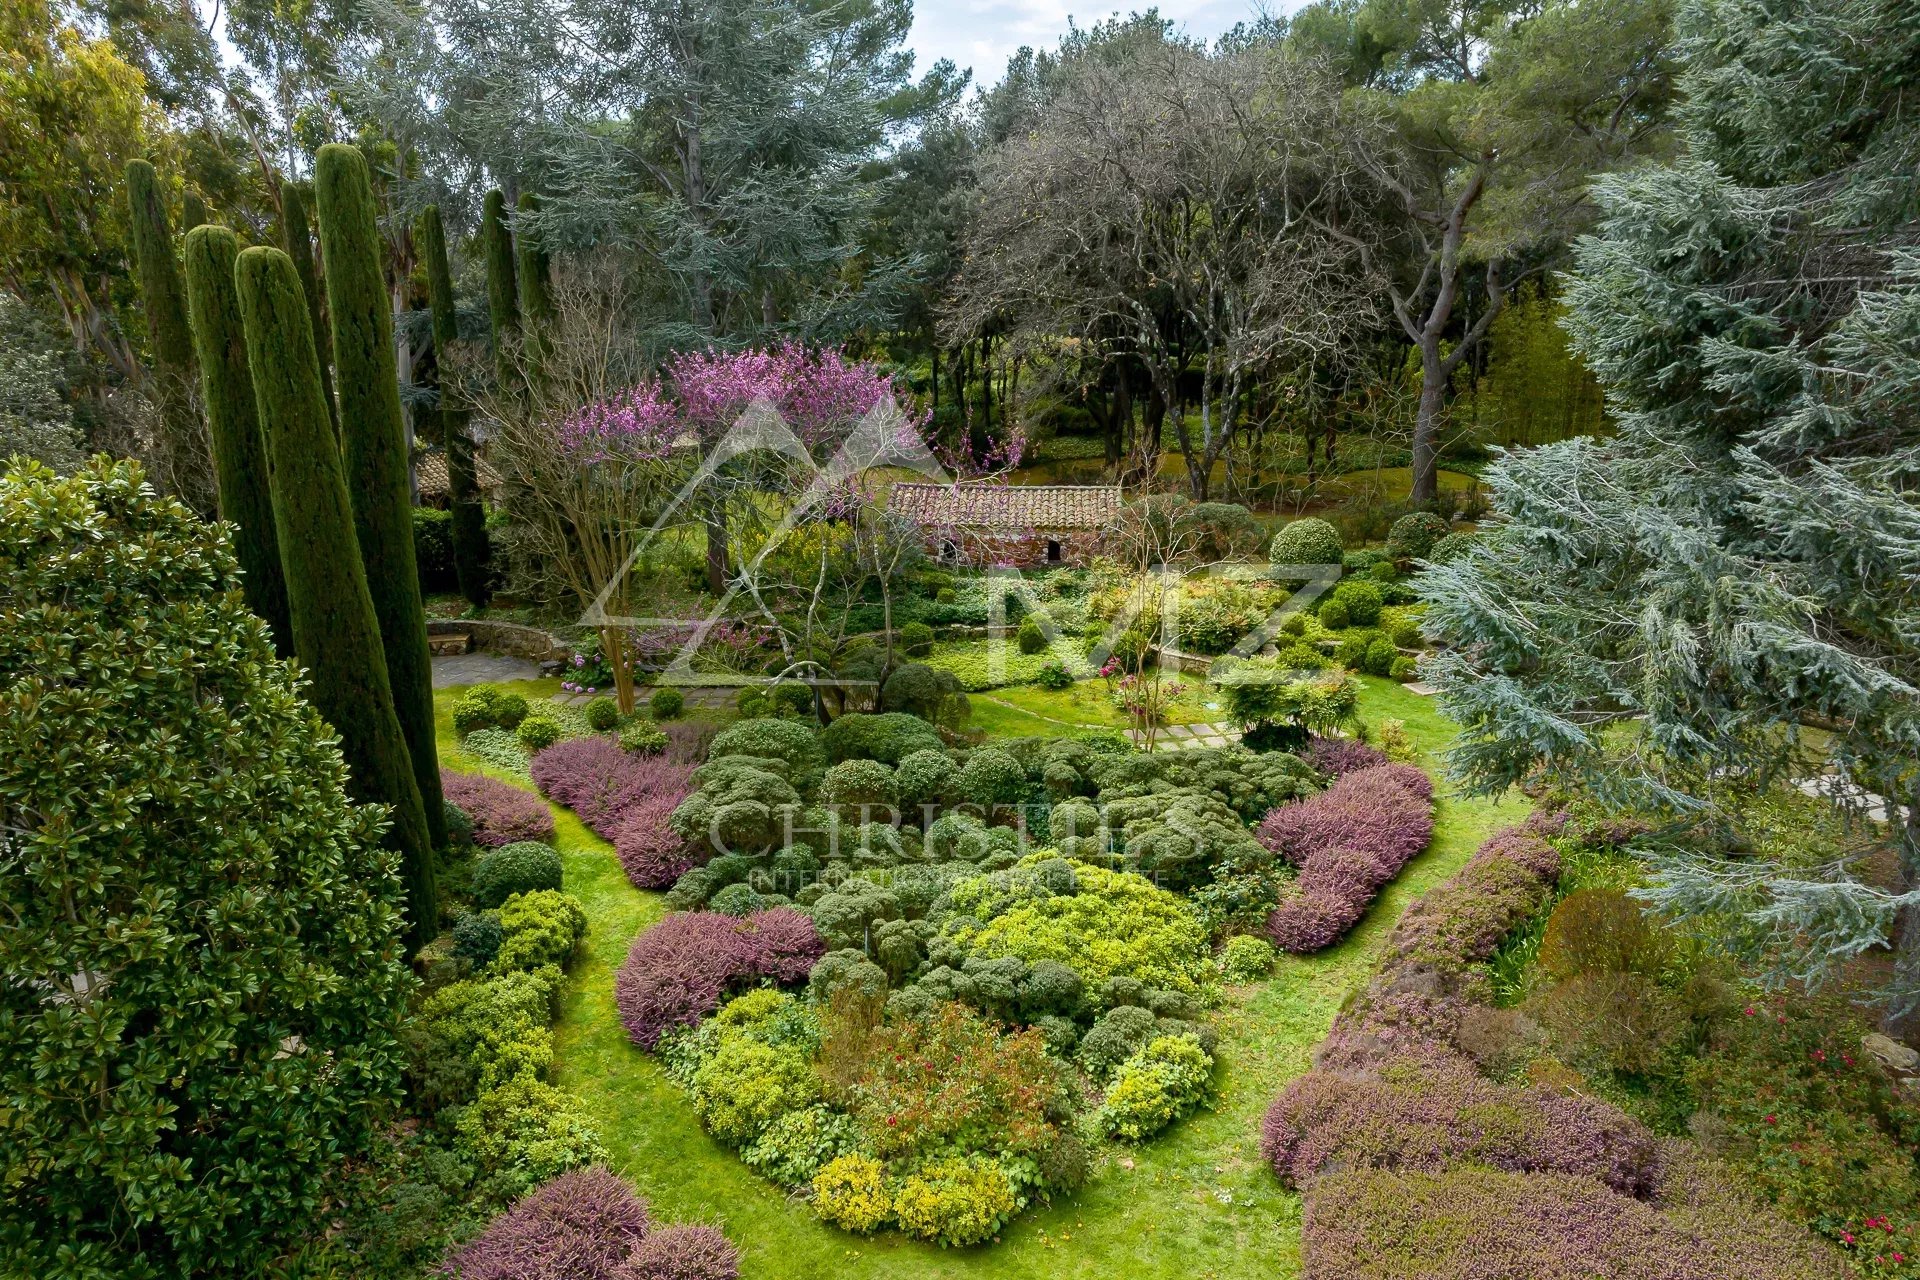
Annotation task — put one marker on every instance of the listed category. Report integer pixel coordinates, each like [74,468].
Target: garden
[638,642]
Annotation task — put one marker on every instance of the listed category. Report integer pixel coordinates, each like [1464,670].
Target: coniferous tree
[334,629]
[463,491]
[531,272]
[233,422]
[296,237]
[184,451]
[373,443]
[503,296]
[1662,617]
[193,212]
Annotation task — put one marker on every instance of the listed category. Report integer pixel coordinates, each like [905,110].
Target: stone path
[704,696]
[1187,737]
[481,668]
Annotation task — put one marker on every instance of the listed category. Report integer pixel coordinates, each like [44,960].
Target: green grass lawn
[1196,1203]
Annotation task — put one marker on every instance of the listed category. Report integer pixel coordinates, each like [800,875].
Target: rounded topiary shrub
[643,738]
[509,709]
[188,886]
[854,787]
[602,714]
[1333,614]
[1363,601]
[520,867]
[916,638]
[1030,637]
[1379,658]
[476,937]
[1450,548]
[667,704]
[991,777]
[889,737]
[538,731]
[1413,535]
[1308,541]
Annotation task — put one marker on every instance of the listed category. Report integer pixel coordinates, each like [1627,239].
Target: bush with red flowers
[501,813]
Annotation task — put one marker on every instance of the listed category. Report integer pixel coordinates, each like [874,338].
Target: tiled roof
[430,473]
[1008,506]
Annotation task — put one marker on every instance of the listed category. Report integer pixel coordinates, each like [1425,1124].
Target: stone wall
[1025,549]
[510,638]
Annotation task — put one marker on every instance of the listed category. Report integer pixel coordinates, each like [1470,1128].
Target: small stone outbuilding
[1022,526]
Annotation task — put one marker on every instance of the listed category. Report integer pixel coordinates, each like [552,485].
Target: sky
[983,34]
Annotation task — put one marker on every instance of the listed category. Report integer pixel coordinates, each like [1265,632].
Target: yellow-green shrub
[746,1085]
[1155,1087]
[543,927]
[851,1192]
[960,1200]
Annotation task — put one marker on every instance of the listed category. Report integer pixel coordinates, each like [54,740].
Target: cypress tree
[469,522]
[239,453]
[536,298]
[373,443]
[193,212]
[334,629]
[503,297]
[297,238]
[189,469]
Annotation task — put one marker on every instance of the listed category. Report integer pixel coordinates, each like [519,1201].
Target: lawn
[1194,1204]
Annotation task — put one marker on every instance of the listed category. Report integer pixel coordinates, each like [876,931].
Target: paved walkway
[1187,737]
[481,668]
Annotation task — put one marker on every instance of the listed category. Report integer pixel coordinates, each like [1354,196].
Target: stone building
[1024,526]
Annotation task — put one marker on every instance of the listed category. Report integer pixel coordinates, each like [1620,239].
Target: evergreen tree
[1664,616]
[239,452]
[335,632]
[373,441]
[532,274]
[183,448]
[469,521]
[503,296]
[296,237]
[202,938]
[193,212]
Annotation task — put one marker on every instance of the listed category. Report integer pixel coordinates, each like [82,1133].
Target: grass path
[1194,1205]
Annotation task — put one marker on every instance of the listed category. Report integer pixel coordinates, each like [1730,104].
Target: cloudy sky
[983,34]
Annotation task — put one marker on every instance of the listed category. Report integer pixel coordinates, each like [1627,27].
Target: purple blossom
[635,425]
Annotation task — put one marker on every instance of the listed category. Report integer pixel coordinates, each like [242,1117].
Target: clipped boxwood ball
[602,714]
[666,704]
[520,867]
[1308,541]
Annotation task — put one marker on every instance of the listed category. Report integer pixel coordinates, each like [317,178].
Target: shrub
[741,806]
[688,740]
[1362,599]
[1395,742]
[1308,541]
[889,737]
[957,1200]
[751,702]
[459,827]
[1333,613]
[475,1033]
[581,1226]
[1246,958]
[642,738]
[1437,1115]
[683,1252]
[851,1192]
[602,714]
[1383,571]
[543,927]
[932,693]
[1404,669]
[855,787]
[791,699]
[1341,756]
[1030,637]
[1413,535]
[747,1084]
[794,1148]
[678,970]
[502,814]
[522,1132]
[1601,931]
[1054,675]
[923,778]
[477,936]
[1404,632]
[509,709]
[666,704]
[991,777]
[1383,810]
[520,867]
[1155,1087]
[477,708]
[1475,1224]
[1380,657]
[1115,1037]
[605,784]
[785,740]
[1450,548]
[916,639]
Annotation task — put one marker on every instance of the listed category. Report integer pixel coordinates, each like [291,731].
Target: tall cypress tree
[334,629]
[296,237]
[239,452]
[373,443]
[193,212]
[503,297]
[189,468]
[536,297]
[469,521]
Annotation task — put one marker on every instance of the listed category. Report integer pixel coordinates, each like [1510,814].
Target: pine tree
[335,632]
[296,237]
[185,456]
[503,296]
[1660,618]
[373,442]
[239,452]
[469,521]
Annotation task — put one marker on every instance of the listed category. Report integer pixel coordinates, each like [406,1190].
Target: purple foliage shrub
[502,814]
[1349,841]
[580,1226]
[652,854]
[1485,1224]
[678,971]
[1437,1114]
[683,1252]
[688,740]
[626,798]
[1338,757]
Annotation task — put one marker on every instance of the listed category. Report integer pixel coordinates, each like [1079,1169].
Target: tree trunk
[613,643]
[716,555]
[1426,424]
